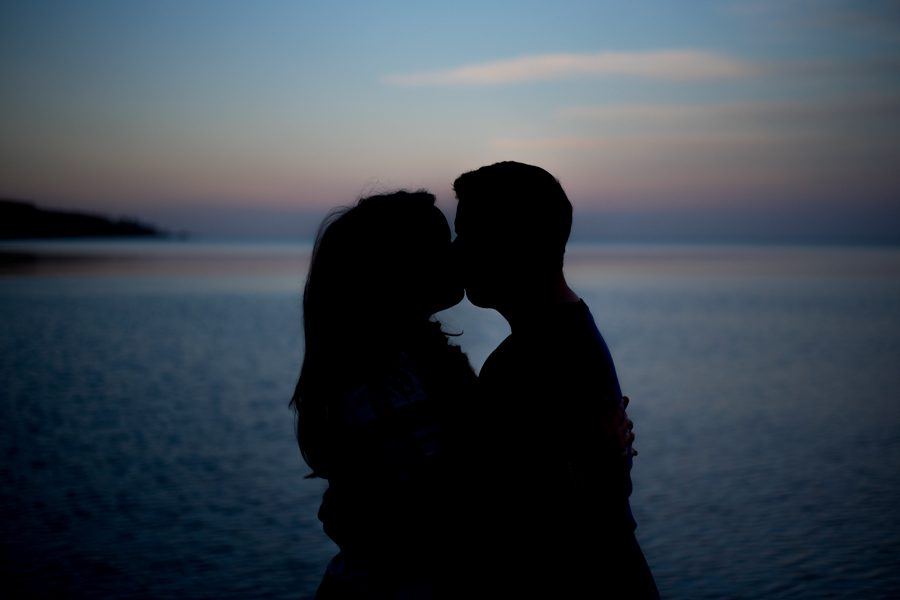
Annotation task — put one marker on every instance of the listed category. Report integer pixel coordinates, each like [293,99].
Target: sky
[744,119]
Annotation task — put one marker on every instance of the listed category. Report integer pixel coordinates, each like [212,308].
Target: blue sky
[659,118]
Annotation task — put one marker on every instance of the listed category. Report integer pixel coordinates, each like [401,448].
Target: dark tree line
[21,220]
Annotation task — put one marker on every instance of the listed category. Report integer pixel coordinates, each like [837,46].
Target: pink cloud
[675,65]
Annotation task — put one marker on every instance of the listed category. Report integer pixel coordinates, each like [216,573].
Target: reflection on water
[148,258]
[146,447]
[192,258]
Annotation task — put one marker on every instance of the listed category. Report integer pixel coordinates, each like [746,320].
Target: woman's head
[379,270]
[386,260]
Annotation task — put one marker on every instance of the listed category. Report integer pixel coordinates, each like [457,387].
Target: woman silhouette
[376,389]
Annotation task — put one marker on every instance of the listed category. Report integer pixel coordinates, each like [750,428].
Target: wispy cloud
[624,145]
[712,166]
[882,108]
[562,142]
[640,112]
[676,65]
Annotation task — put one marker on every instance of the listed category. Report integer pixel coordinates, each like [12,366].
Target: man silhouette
[552,516]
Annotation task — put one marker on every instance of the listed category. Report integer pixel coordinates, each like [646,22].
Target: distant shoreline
[20,220]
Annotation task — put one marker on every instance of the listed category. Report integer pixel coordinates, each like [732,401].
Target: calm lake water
[147,450]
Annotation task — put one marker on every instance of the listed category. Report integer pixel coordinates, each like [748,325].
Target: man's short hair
[521,205]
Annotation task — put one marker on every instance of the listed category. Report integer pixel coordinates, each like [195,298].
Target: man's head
[512,224]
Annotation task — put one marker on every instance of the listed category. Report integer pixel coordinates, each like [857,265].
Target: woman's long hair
[368,283]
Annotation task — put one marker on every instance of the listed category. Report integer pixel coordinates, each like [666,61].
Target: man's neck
[529,307]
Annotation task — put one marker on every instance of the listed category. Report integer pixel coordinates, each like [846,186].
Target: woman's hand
[624,428]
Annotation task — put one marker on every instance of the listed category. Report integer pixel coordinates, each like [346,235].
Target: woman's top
[386,506]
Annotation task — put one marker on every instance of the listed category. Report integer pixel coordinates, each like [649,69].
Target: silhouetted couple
[442,484]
